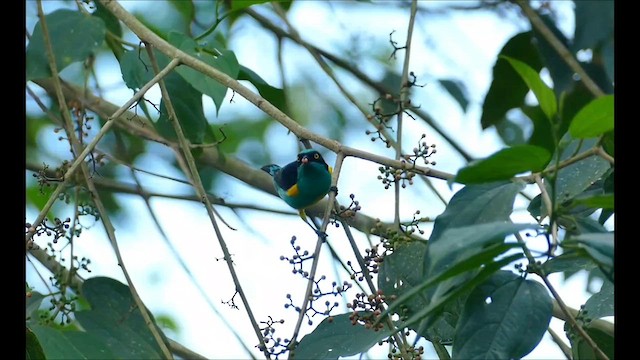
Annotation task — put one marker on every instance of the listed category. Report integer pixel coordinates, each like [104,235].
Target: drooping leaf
[510,132]
[568,262]
[272,94]
[544,94]
[598,245]
[112,24]
[136,67]
[34,350]
[594,119]
[505,164]
[542,134]
[222,60]
[73,36]
[187,103]
[338,337]
[504,318]
[115,321]
[457,90]
[594,24]
[600,304]
[507,90]
[580,349]
[477,204]
[33,303]
[58,344]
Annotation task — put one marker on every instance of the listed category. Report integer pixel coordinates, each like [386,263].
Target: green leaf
[136,68]
[477,204]
[598,245]
[574,179]
[581,350]
[507,91]
[399,273]
[225,61]
[597,201]
[600,304]
[58,344]
[542,134]
[338,337]
[594,24]
[115,320]
[33,304]
[457,90]
[544,94]
[568,262]
[112,24]
[457,245]
[34,350]
[74,37]
[505,164]
[187,103]
[272,94]
[594,119]
[504,318]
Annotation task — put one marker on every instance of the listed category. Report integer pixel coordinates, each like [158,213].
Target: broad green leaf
[272,94]
[187,103]
[34,350]
[569,262]
[597,201]
[600,304]
[477,204]
[33,303]
[598,245]
[544,94]
[504,318]
[594,119]
[505,164]
[58,344]
[338,337]
[74,37]
[457,90]
[185,9]
[542,134]
[581,350]
[454,293]
[136,67]
[399,273]
[115,320]
[457,245]
[594,24]
[507,91]
[112,25]
[225,61]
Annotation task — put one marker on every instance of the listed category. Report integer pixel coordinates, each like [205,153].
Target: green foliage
[113,328]
[73,36]
[503,318]
[594,119]
[504,164]
[471,285]
[338,336]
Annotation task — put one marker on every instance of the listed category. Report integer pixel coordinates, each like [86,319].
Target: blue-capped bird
[303,182]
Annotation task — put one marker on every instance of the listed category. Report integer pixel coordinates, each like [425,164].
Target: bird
[303,182]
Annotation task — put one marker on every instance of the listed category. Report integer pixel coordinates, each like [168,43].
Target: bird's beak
[305,160]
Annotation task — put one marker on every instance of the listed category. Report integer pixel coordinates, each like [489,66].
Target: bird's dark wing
[287,176]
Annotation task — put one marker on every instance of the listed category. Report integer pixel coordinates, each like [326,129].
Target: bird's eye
[316,156]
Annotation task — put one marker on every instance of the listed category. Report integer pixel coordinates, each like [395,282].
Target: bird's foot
[334,189]
[321,234]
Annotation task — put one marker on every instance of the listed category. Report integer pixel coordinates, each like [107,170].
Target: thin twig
[199,187]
